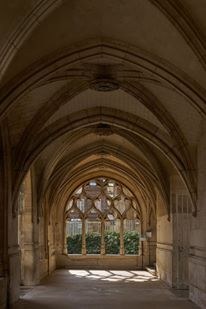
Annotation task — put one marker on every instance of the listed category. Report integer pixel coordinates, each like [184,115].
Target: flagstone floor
[101,289]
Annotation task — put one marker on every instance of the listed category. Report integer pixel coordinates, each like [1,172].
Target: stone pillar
[65,238]
[144,247]
[121,237]
[11,254]
[51,248]
[102,238]
[164,250]
[150,233]
[3,237]
[84,237]
[181,218]
[30,244]
[197,259]
[173,236]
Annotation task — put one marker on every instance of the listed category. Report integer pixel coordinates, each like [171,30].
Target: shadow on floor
[102,289]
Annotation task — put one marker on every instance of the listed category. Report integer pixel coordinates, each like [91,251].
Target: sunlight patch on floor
[114,275]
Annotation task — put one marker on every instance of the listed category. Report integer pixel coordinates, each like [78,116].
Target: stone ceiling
[153,51]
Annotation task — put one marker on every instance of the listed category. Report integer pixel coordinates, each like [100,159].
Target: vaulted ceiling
[114,88]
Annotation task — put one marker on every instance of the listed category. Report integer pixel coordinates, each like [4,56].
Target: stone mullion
[121,236]
[65,237]
[84,251]
[102,237]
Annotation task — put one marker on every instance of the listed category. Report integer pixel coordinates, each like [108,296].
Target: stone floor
[82,289]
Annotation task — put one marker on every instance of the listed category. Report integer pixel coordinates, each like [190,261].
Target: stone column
[51,248]
[65,238]
[83,237]
[102,238]
[164,249]
[197,259]
[121,237]
[3,237]
[181,218]
[30,244]
[12,254]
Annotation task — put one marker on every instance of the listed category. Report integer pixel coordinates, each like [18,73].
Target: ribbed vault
[112,89]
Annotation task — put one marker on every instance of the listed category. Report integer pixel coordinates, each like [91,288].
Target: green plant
[131,242]
[74,244]
[112,242]
[93,243]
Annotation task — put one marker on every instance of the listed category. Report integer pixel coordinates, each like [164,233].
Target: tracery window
[102,217]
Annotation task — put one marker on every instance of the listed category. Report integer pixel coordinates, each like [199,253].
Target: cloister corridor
[102,154]
[102,289]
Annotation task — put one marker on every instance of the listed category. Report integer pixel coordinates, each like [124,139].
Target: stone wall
[173,236]
[164,248]
[99,262]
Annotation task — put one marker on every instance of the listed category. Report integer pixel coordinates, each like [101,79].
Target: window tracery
[102,217]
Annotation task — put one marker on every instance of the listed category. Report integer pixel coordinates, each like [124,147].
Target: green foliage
[112,243]
[74,244]
[93,243]
[131,242]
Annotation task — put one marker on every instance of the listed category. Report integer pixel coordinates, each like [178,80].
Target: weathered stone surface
[148,133]
[103,289]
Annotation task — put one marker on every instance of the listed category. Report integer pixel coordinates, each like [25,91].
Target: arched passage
[103,218]
[111,96]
